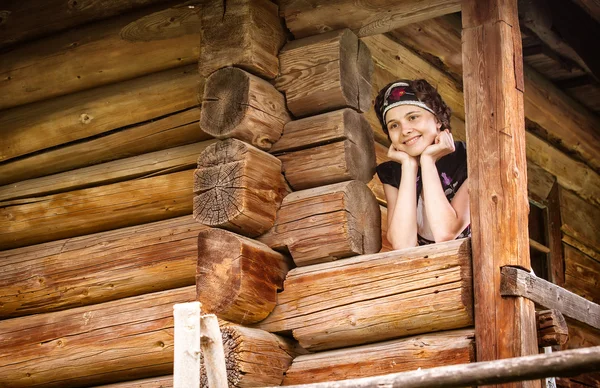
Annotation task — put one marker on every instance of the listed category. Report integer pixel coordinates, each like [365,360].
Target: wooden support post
[326,72]
[327,148]
[238,278]
[242,33]
[327,223]
[186,360]
[213,354]
[241,105]
[238,187]
[493,81]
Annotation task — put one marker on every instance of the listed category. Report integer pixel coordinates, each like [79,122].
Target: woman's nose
[406,129]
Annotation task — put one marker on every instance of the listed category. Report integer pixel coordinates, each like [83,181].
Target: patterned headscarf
[400,93]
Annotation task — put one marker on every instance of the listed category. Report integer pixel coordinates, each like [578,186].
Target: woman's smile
[412,140]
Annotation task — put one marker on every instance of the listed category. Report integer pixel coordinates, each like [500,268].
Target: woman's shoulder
[389,173]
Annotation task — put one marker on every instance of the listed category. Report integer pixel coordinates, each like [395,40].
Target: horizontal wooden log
[423,351]
[306,18]
[240,105]
[552,328]
[153,382]
[97,209]
[82,115]
[130,338]
[242,33]
[238,278]
[99,268]
[325,72]
[238,187]
[580,219]
[360,300]
[253,357]
[110,51]
[516,282]
[174,130]
[327,148]
[26,20]
[153,163]
[566,363]
[582,274]
[327,223]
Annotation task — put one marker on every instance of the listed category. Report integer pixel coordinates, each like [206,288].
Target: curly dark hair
[425,93]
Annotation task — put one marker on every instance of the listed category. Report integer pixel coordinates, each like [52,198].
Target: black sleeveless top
[452,170]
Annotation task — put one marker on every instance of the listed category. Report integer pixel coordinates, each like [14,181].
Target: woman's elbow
[401,244]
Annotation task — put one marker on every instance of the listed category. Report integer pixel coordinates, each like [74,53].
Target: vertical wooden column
[493,81]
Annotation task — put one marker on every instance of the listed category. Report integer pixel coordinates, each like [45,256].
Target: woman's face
[411,128]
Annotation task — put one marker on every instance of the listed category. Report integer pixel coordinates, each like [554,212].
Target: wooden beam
[580,221]
[516,282]
[98,268]
[307,18]
[186,345]
[552,328]
[493,80]
[153,382]
[581,273]
[565,363]
[213,355]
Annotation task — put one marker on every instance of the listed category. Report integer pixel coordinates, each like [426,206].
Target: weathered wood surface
[213,355]
[78,116]
[153,382]
[582,274]
[386,246]
[110,51]
[511,370]
[25,19]
[327,148]
[325,72]
[499,206]
[253,357]
[423,351]
[361,300]
[581,336]
[131,338]
[186,344]
[99,268]
[238,187]
[150,164]
[96,209]
[238,278]
[242,33]
[516,282]
[327,223]
[307,18]
[241,105]
[552,328]
[553,222]
[580,220]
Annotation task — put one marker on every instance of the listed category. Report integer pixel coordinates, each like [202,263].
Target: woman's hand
[401,156]
[442,146]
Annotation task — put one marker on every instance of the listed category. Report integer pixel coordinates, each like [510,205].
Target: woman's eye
[393,126]
[411,118]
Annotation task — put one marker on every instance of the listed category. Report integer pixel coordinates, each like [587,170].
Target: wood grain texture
[327,148]
[90,113]
[240,105]
[26,20]
[96,209]
[552,328]
[423,351]
[306,18]
[115,50]
[186,343]
[131,338]
[580,220]
[582,274]
[360,300]
[153,382]
[242,33]
[150,164]
[238,278]
[327,223]
[324,73]
[238,187]
[99,267]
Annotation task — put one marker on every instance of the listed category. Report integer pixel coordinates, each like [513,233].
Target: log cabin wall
[97,172]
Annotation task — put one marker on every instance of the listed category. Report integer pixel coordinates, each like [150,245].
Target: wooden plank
[131,338]
[186,345]
[423,351]
[580,220]
[238,187]
[552,328]
[26,20]
[307,18]
[153,382]
[213,355]
[172,130]
[134,44]
[497,176]
[564,363]
[359,300]
[78,116]
[96,209]
[557,261]
[516,282]
[98,268]
[150,164]
[582,274]
[241,33]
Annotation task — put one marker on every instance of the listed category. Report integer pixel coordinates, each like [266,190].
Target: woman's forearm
[402,222]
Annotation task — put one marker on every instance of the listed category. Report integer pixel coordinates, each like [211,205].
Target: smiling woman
[424,183]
